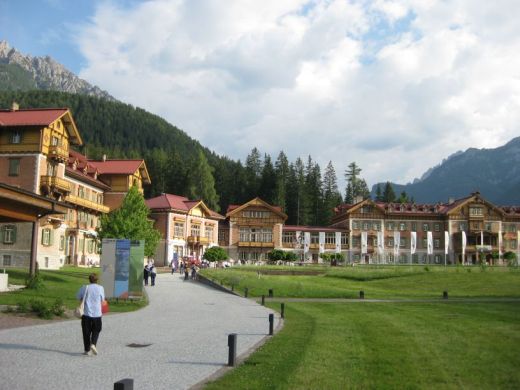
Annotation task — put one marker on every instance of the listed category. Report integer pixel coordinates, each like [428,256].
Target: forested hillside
[180,165]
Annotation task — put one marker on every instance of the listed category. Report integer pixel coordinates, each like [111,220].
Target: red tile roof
[79,172]
[114,167]
[30,117]
[176,202]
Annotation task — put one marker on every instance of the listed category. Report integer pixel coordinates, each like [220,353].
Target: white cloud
[395,85]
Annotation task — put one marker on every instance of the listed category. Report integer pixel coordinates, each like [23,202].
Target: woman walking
[91,324]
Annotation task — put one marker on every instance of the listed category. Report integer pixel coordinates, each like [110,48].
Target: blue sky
[395,85]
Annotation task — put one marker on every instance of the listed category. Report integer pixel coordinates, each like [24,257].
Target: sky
[394,85]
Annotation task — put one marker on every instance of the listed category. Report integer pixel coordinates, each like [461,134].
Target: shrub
[427,269]
[35,282]
[291,256]
[215,253]
[23,307]
[276,254]
[58,308]
[41,308]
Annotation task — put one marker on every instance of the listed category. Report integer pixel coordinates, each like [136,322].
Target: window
[476,211]
[62,242]
[14,166]
[390,242]
[389,226]
[366,209]
[7,260]
[462,226]
[475,225]
[244,235]
[16,137]
[90,246]
[315,238]
[402,242]
[355,225]
[414,226]
[208,232]
[376,226]
[55,141]
[365,225]
[513,244]
[288,237]
[81,192]
[488,227]
[402,226]
[267,235]
[355,242]
[178,229]
[330,238]
[256,214]
[436,243]
[512,228]
[437,259]
[47,237]
[425,243]
[425,227]
[437,227]
[195,230]
[9,234]
[344,239]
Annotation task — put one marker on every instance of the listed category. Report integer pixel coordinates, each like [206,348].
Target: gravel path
[186,324]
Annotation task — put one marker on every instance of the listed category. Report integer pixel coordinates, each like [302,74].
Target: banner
[446,242]
[429,235]
[322,241]
[413,242]
[482,238]
[463,245]
[338,242]
[397,242]
[135,279]
[306,242]
[380,243]
[364,246]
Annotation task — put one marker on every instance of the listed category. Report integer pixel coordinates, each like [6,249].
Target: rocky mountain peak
[48,74]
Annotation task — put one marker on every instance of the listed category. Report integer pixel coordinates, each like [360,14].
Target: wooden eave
[473,199]
[17,205]
[363,203]
[251,203]
[145,176]
[70,125]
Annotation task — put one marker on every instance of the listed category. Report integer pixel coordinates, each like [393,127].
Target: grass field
[377,282]
[62,284]
[446,345]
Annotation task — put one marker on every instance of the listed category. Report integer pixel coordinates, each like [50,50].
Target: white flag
[446,242]
[306,241]
[500,243]
[413,242]
[364,246]
[397,242]
[463,244]
[338,242]
[380,243]
[429,235]
[322,241]
[482,238]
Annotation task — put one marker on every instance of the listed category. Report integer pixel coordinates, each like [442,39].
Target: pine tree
[379,196]
[331,194]
[356,187]
[131,221]
[388,193]
[281,168]
[267,181]
[403,198]
[313,187]
[253,173]
[202,184]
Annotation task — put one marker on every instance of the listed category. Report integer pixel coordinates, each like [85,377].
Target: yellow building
[36,155]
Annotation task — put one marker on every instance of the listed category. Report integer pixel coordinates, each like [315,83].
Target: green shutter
[43,236]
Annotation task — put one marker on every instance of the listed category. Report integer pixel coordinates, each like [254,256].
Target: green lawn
[391,345]
[376,282]
[62,284]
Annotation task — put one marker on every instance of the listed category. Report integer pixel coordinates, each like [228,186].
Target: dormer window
[16,137]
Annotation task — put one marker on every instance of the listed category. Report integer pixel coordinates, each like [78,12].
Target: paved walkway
[186,323]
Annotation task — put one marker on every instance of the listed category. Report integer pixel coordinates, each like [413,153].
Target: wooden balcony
[87,203]
[256,244]
[198,239]
[51,184]
[58,153]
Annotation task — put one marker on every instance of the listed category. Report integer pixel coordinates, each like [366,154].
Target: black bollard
[444,295]
[271,324]
[282,310]
[124,384]
[361,294]
[263,300]
[246,292]
[270,293]
[232,344]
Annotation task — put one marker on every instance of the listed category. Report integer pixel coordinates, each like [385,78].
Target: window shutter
[2,229]
[51,236]
[43,237]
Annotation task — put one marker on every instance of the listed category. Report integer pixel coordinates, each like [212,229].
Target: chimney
[451,200]
[104,158]
[15,106]
[358,199]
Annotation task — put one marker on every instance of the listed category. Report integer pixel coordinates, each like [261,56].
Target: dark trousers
[91,327]
[152,279]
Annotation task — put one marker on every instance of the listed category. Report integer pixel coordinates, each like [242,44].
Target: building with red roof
[187,227]
[37,156]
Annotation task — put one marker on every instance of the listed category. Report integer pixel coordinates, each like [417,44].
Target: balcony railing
[87,203]
[198,239]
[55,183]
[257,244]
[58,152]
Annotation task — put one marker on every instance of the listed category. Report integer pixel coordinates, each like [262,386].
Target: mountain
[493,172]
[23,72]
